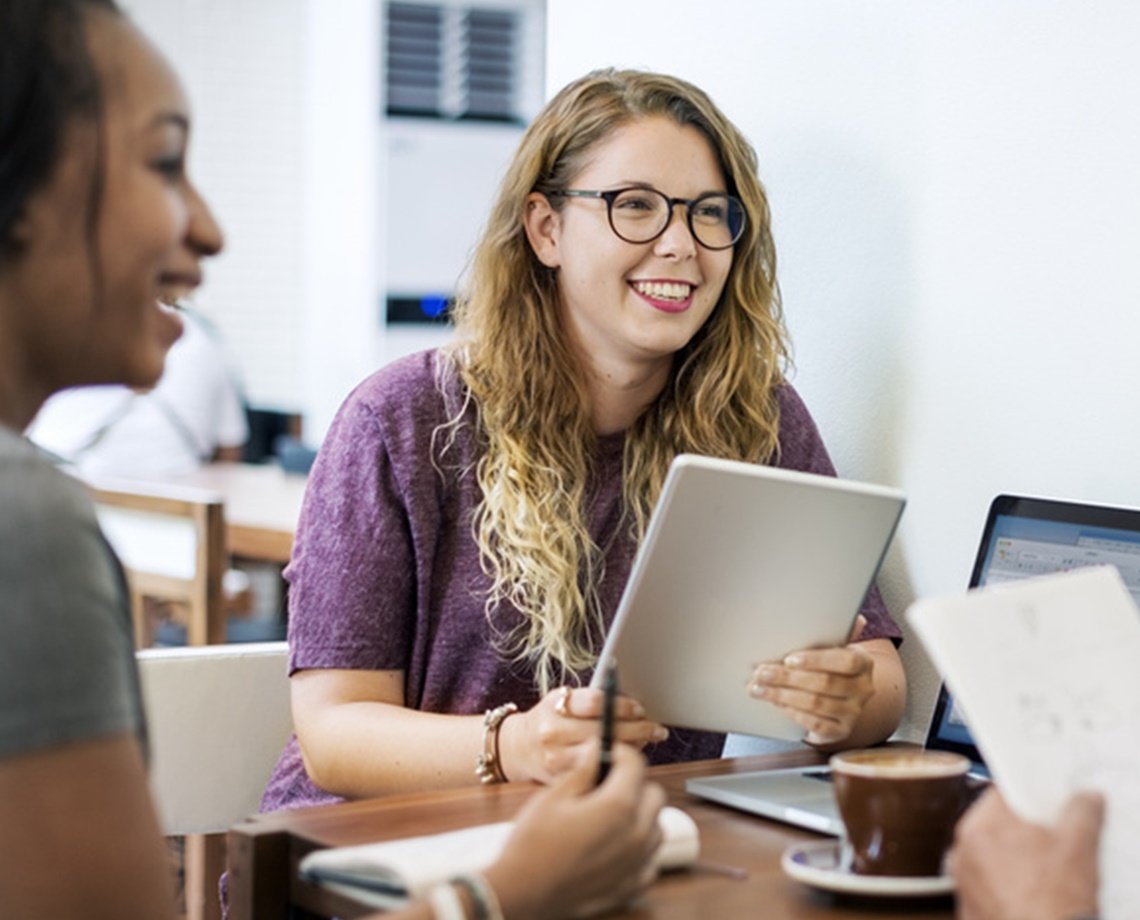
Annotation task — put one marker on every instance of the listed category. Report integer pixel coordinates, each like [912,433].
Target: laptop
[1023,537]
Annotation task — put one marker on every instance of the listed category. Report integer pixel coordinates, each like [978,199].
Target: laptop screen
[1024,537]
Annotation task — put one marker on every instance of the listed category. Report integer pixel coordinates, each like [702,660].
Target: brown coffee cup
[899,806]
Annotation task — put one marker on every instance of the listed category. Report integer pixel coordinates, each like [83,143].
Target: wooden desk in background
[263,854]
[262,505]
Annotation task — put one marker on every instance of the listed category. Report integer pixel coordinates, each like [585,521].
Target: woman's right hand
[577,849]
[548,739]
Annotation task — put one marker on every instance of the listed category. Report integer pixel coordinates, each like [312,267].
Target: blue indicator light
[433,305]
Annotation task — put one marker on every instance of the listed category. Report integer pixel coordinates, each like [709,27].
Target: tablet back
[740,564]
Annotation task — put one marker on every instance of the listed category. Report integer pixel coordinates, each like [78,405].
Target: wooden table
[264,853]
[262,505]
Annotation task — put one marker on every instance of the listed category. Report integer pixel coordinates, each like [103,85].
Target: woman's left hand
[825,689]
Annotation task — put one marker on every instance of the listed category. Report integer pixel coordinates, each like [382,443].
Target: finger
[858,628]
[1083,816]
[828,705]
[641,733]
[626,776]
[582,774]
[820,729]
[646,824]
[846,659]
[590,702]
[648,811]
[820,682]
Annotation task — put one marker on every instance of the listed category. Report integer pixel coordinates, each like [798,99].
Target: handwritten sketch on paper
[1046,673]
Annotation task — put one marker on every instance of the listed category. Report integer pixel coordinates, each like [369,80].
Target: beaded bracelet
[487,766]
[482,896]
[445,903]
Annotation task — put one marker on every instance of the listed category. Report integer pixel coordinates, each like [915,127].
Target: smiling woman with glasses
[475,510]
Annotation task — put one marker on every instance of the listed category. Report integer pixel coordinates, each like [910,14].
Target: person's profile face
[95,298]
[636,302]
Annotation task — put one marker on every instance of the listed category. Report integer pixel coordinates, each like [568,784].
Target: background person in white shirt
[194,414]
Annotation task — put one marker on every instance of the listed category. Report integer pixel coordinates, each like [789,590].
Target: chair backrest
[172,542]
[218,717]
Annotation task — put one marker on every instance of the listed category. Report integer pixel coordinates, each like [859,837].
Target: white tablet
[742,563]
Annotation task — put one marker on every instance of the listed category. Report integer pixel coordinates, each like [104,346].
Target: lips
[173,288]
[667,295]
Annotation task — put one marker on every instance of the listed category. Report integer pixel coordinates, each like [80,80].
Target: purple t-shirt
[385,573]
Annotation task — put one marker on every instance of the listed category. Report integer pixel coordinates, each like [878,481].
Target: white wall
[322,199]
[286,149]
[245,68]
[956,198]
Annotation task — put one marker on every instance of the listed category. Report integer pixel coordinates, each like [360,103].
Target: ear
[543,224]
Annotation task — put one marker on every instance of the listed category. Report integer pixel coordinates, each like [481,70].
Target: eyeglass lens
[639,215]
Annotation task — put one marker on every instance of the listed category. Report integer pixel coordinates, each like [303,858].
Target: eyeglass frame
[609,197]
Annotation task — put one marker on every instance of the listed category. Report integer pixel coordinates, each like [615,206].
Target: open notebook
[392,873]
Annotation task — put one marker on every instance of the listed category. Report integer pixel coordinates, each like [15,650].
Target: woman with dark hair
[100,227]
[98,223]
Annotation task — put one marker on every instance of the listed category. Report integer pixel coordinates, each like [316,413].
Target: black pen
[606,759]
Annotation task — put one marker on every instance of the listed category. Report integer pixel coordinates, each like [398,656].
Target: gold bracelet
[487,765]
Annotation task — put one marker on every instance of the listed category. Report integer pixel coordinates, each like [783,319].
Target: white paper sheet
[1047,674]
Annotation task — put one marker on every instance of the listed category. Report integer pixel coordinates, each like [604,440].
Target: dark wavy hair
[47,77]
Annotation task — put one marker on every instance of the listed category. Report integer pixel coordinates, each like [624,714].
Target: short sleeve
[352,574]
[66,659]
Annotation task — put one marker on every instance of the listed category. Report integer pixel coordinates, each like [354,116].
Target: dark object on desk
[266,426]
[293,455]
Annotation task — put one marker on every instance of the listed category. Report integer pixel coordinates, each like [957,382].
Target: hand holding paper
[1005,866]
[1046,673]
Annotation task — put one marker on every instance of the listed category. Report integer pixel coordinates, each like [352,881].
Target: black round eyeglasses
[639,214]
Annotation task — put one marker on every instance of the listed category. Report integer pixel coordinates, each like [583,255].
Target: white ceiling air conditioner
[461,80]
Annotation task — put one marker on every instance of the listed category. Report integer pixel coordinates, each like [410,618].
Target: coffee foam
[902,764]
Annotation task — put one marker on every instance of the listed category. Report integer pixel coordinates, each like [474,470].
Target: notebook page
[389,873]
[1047,674]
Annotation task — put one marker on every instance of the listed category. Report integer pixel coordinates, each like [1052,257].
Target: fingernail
[794,660]
[759,691]
[638,711]
[766,672]
[661,733]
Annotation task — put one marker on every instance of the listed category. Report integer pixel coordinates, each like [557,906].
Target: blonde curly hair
[532,414]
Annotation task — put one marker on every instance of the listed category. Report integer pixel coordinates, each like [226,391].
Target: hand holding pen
[546,740]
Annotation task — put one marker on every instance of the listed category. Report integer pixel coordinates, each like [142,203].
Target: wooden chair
[171,541]
[218,718]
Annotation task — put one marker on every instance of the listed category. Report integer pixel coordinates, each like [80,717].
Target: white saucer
[817,864]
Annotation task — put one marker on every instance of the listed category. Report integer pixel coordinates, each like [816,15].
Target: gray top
[385,574]
[67,667]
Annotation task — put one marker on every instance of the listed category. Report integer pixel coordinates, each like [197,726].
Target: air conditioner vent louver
[453,62]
